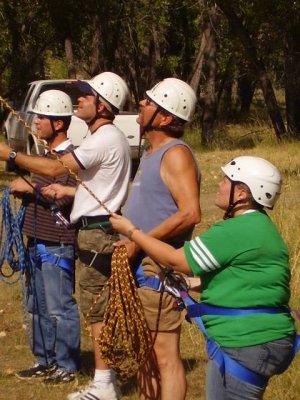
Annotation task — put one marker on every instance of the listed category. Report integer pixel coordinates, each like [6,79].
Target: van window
[27,98]
[69,87]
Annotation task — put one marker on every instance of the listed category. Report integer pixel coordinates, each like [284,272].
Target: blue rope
[12,249]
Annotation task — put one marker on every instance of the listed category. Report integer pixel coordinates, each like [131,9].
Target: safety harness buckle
[94,258]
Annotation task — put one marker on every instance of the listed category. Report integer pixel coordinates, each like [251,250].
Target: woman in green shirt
[243,264]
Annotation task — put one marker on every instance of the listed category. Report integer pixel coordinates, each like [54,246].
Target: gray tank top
[150,201]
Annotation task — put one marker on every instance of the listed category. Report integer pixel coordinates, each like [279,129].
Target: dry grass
[15,353]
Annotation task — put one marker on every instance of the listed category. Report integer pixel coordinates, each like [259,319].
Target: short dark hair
[66,121]
[176,127]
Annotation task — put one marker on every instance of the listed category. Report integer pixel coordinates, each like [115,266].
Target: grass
[15,352]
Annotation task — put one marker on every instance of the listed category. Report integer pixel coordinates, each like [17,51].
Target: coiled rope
[125,340]
[13,256]
[12,249]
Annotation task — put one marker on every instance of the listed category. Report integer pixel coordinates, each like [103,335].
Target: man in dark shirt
[50,277]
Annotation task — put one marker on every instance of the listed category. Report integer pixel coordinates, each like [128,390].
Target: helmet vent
[268,196]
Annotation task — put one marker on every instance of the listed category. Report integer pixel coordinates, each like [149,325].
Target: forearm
[68,198]
[177,224]
[160,251]
[40,165]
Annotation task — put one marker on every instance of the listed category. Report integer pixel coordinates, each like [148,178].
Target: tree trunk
[194,79]
[209,103]
[246,92]
[252,55]
[292,81]
[70,58]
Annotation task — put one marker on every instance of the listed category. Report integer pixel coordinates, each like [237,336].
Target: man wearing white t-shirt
[103,163]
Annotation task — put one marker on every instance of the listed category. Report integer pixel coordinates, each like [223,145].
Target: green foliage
[141,40]
[55,68]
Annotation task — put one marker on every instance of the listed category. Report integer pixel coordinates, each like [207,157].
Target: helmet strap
[232,209]
[54,131]
[149,126]
[97,114]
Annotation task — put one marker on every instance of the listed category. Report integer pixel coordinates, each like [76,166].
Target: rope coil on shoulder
[125,340]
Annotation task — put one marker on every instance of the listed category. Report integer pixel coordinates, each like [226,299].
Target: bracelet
[130,232]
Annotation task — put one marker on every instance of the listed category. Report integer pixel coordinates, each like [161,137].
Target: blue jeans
[266,359]
[55,316]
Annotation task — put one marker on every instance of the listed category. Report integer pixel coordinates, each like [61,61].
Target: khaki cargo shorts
[170,318]
[92,279]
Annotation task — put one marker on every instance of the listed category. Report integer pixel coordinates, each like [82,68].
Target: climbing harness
[176,286]
[125,340]
[44,256]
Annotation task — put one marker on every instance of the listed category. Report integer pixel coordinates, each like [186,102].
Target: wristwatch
[11,159]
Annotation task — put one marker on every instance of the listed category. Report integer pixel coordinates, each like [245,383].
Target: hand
[121,224]
[20,186]
[132,248]
[4,151]
[57,191]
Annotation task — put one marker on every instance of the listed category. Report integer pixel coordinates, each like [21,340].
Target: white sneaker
[96,392]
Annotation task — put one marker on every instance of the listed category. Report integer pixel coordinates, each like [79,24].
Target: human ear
[58,124]
[101,107]
[243,193]
[166,120]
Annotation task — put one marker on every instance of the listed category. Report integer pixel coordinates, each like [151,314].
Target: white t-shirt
[105,163]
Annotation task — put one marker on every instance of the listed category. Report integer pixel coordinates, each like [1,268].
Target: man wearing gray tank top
[165,202]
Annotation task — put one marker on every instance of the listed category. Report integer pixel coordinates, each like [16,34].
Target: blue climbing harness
[176,286]
[43,256]
[225,363]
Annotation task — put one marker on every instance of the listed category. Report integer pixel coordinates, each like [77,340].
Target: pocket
[97,240]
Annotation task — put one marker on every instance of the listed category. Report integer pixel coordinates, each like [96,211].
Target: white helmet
[262,178]
[53,103]
[174,96]
[110,86]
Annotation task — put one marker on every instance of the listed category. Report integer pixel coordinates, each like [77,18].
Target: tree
[27,43]
[209,105]
[252,55]
[292,71]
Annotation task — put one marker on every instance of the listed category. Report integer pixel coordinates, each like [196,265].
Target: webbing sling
[225,362]
[61,262]
[150,281]
[200,309]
